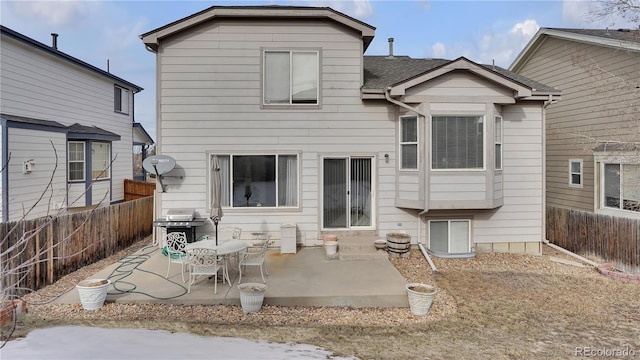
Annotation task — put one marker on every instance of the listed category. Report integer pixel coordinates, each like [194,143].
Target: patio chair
[255,258]
[176,243]
[203,261]
[227,233]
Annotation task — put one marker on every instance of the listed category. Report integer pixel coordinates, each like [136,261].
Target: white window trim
[254,208]
[602,208]
[84,161]
[107,173]
[291,104]
[499,141]
[581,174]
[416,143]
[484,143]
[449,234]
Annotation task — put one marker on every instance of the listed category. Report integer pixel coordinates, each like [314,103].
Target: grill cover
[181,214]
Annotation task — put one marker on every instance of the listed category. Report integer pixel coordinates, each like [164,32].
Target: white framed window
[457,142]
[259,180]
[409,142]
[575,173]
[497,138]
[120,99]
[450,236]
[291,77]
[100,160]
[75,160]
[621,186]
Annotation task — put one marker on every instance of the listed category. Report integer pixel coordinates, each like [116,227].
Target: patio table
[224,249]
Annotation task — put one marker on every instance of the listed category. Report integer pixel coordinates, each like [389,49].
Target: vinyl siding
[213,106]
[520,218]
[41,86]
[598,97]
[25,190]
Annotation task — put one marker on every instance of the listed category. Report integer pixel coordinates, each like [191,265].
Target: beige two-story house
[310,131]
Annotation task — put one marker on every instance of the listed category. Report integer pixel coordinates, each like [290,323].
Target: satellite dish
[159,164]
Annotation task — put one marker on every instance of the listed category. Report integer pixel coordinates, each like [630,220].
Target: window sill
[290,106]
[618,213]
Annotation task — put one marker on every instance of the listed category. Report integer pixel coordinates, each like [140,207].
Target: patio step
[359,248]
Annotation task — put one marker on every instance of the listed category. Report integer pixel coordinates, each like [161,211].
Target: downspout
[545,240]
[421,113]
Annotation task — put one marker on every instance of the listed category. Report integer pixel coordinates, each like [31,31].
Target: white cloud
[526,29]
[55,13]
[502,48]
[438,50]
[360,9]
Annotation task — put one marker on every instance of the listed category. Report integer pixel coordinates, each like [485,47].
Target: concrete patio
[306,278]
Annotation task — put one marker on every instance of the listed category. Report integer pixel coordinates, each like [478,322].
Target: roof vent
[390,49]
[54,41]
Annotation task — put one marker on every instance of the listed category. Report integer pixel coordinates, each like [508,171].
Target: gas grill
[181,220]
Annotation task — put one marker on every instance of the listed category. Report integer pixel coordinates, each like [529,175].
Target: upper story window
[121,100]
[259,180]
[291,77]
[497,136]
[575,173]
[457,142]
[409,142]
[621,188]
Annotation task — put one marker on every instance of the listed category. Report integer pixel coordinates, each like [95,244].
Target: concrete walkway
[306,278]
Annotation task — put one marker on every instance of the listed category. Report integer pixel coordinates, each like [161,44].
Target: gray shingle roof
[83,130]
[615,34]
[32,121]
[383,71]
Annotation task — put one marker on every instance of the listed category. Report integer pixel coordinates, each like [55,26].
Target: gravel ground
[494,306]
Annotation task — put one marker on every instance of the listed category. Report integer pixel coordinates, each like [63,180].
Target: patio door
[347,193]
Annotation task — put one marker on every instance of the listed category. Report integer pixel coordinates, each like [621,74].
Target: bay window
[409,142]
[457,142]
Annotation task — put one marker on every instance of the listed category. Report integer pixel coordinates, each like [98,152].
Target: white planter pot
[331,247]
[420,301]
[92,296]
[251,296]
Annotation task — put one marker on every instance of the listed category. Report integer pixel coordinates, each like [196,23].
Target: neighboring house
[50,100]
[593,134]
[308,131]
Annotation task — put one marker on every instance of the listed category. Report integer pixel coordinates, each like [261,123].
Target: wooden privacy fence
[135,189]
[614,239]
[63,244]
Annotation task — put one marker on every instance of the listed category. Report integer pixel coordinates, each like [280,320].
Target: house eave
[68,58]
[520,90]
[152,38]
[545,33]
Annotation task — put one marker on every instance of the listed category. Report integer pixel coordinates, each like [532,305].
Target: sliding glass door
[347,193]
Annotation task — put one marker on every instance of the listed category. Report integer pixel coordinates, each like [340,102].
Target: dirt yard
[495,306]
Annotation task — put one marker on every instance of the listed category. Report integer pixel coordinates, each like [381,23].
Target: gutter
[549,102]
[401,104]
[426,255]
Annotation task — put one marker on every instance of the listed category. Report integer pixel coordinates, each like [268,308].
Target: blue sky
[483,31]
